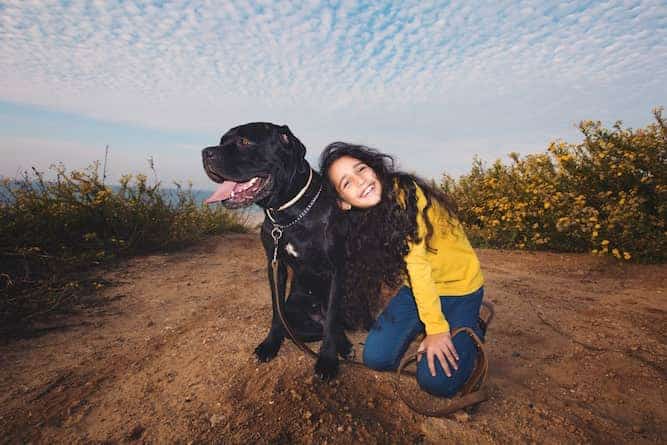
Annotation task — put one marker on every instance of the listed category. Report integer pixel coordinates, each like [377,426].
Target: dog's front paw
[266,350]
[326,368]
[345,348]
[350,354]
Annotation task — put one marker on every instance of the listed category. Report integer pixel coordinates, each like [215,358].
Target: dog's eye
[244,141]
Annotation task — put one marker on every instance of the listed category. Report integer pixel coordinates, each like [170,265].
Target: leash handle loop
[470,394]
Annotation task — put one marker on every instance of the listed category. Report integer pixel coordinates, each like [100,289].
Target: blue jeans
[399,324]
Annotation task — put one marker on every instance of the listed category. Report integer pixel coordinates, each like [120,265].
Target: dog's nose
[208,153]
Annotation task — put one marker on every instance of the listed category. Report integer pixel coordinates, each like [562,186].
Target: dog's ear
[292,143]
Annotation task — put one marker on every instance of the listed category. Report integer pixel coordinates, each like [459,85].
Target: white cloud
[207,66]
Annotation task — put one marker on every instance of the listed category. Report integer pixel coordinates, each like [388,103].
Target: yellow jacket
[451,270]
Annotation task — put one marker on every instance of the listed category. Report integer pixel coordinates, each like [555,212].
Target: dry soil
[577,354]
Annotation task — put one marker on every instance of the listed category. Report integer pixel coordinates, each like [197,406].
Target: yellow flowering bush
[606,195]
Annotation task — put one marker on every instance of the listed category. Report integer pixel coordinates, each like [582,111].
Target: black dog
[265,164]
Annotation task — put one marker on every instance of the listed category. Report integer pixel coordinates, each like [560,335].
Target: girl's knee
[442,385]
[464,345]
[439,385]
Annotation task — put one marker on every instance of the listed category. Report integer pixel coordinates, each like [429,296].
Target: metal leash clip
[276,234]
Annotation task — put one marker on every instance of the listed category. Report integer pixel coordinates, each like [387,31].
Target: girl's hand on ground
[441,346]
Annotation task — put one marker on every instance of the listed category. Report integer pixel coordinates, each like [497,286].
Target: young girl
[403,232]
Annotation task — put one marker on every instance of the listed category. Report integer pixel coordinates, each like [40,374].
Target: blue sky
[433,83]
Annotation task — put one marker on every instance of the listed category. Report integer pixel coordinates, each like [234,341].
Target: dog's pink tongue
[224,191]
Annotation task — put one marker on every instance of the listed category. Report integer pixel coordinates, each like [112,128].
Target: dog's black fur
[275,155]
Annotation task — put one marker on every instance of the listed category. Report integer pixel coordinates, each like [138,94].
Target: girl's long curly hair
[376,239]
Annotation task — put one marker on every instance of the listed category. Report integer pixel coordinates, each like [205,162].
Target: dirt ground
[164,355]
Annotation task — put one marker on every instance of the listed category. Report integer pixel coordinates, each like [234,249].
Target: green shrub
[51,228]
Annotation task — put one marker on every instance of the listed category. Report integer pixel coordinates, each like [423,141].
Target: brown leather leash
[469,395]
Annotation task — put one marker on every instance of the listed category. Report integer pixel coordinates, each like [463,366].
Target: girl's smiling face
[356,183]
